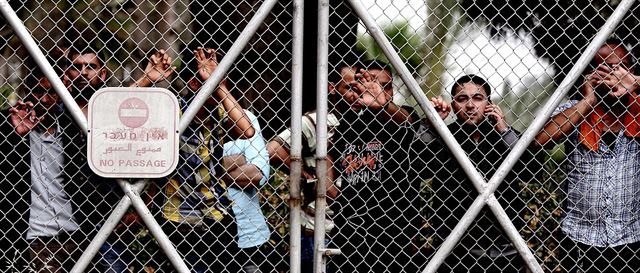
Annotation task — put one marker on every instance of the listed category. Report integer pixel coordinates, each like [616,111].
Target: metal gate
[400,181]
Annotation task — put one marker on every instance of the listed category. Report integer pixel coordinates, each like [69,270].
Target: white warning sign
[133,132]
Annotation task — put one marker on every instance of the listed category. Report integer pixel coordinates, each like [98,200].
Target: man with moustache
[484,135]
[95,196]
[601,211]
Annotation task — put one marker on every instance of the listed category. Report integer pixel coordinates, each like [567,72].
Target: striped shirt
[603,191]
[308,136]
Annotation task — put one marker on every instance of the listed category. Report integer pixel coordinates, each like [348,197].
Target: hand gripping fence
[132,192]
[487,189]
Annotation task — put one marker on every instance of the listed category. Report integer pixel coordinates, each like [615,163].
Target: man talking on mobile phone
[484,135]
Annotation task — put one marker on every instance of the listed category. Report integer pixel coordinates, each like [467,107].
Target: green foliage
[544,209]
[441,26]
[7,97]
[404,40]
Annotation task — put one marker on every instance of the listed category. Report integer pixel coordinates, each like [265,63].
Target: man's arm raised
[560,125]
[239,123]
[158,69]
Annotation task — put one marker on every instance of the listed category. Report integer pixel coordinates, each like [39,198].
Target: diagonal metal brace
[486,194]
[132,197]
[21,31]
[225,64]
[465,164]
[132,192]
[528,136]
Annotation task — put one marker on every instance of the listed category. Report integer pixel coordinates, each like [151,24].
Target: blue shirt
[603,191]
[252,226]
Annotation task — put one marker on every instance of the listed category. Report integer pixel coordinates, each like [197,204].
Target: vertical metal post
[225,64]
[295,198]
[319,262]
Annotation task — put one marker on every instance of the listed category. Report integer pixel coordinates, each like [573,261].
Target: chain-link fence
[451,136]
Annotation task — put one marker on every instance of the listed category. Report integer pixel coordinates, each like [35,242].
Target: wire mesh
[395,190]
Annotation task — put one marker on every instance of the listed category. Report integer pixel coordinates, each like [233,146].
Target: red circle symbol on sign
[133,112]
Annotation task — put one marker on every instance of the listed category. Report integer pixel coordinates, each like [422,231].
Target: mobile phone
[492,119]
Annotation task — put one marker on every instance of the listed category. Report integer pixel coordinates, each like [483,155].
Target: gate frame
[486,189]
[295,171]
[322,74]
[132,192]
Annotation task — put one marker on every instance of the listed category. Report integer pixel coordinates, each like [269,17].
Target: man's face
[469,103]
[612,55]
[85,74]
[350,95]
[45,97]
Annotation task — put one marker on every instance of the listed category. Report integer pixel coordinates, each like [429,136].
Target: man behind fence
[279,153]
[54,233]
[377,207]
[340,82]
[484,135]
[602,209]
[95,196]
